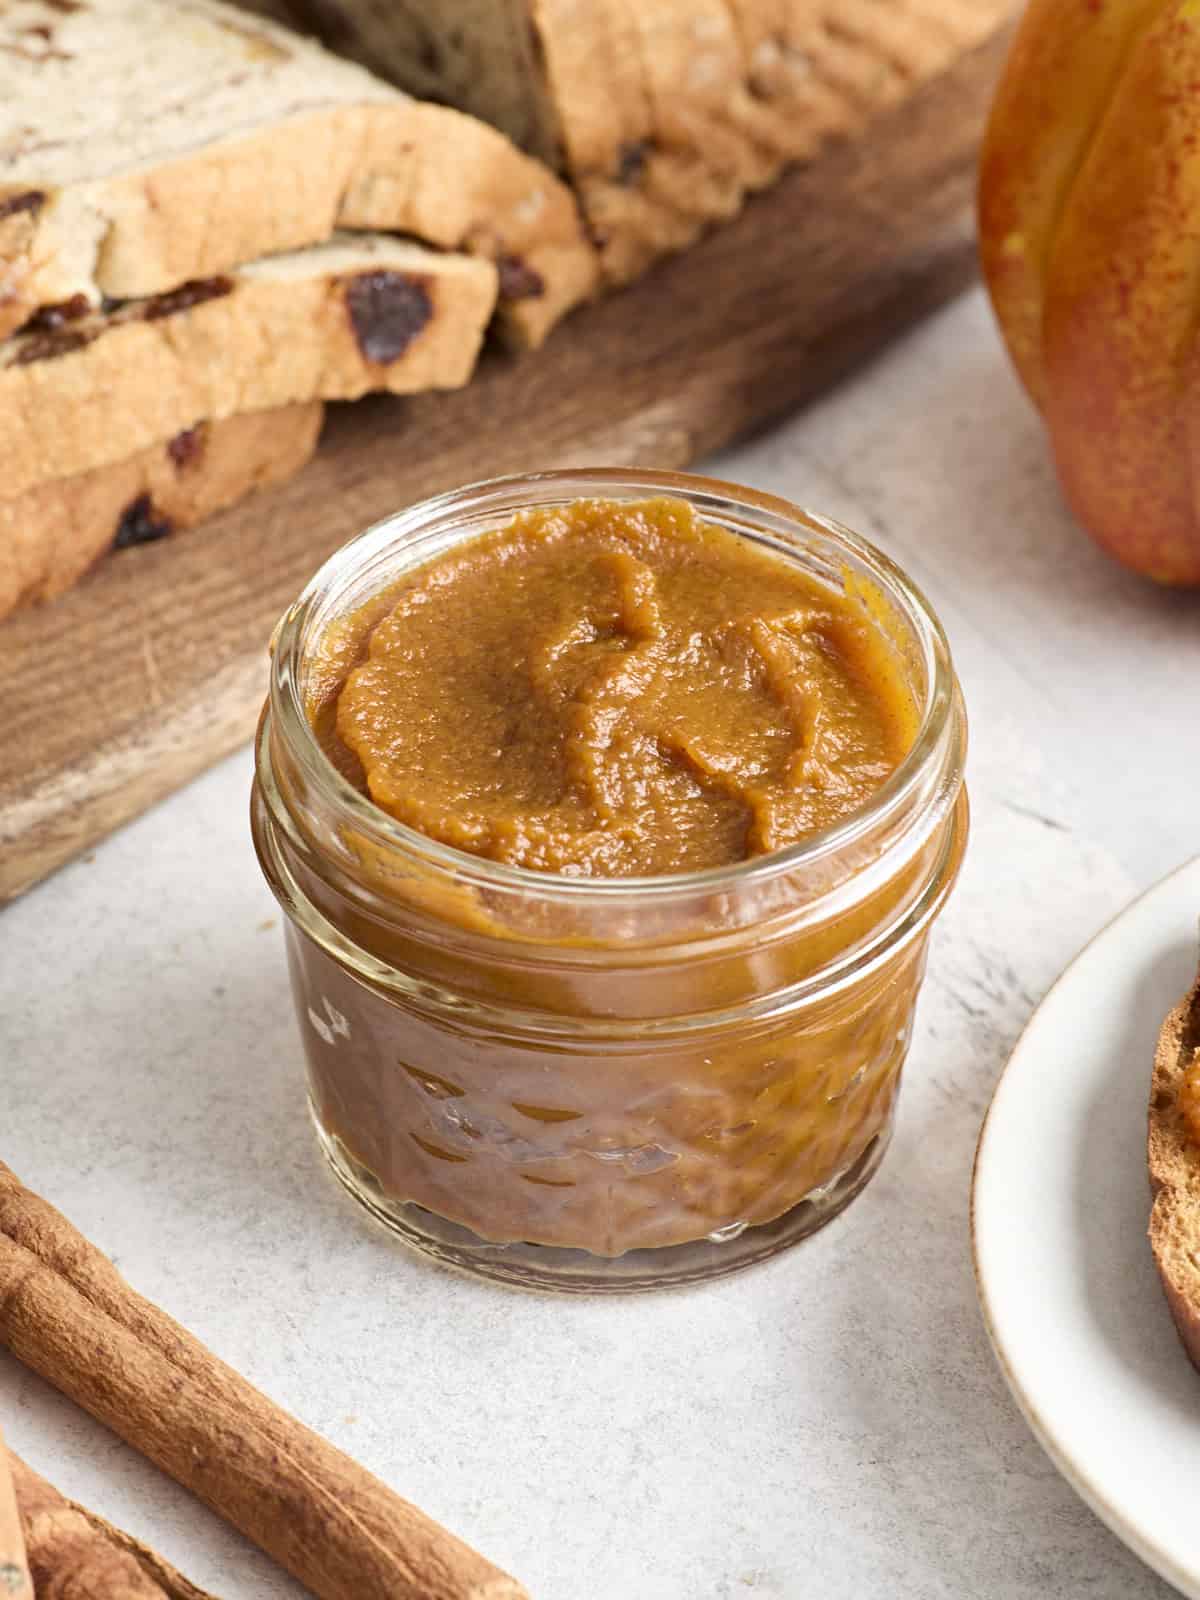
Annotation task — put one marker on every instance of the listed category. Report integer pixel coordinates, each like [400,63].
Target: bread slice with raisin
[357,313]
[664,114]
[1174,1158]
[52,534]
[146,143]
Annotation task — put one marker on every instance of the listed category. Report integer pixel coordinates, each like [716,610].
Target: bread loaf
[664,113]
[52,534]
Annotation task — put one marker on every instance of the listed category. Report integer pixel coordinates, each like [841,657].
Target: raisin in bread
[664,113]
[334,321]
[50,535]
[145,143]
[1174,1157]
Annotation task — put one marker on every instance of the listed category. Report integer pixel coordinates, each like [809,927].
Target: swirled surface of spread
[615,689]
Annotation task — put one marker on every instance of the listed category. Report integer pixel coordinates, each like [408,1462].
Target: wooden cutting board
[156,665]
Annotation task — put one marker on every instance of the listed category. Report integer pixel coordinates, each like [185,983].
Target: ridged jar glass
[598,1084]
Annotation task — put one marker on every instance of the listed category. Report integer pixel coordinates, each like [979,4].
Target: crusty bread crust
[51,535]
[331,322]
[313,143]
[1174,1161]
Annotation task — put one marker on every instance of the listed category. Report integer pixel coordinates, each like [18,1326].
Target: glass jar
[594,1084]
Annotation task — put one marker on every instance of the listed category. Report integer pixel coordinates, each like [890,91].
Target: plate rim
[1158,1559]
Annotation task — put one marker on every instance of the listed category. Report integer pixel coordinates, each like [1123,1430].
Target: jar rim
[709,496]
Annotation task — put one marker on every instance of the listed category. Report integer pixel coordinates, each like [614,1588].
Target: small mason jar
[604,1084]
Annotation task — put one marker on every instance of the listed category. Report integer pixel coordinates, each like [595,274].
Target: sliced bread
[221,137]
[52,534]
[664,113]
[1174,1157]
[471,190]
[358,313]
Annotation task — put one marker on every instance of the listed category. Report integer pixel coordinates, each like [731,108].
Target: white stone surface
[829,1425]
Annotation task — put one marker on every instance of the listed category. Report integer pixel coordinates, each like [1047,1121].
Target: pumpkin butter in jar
[610,813]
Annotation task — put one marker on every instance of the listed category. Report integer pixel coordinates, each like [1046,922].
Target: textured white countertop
[831,1424]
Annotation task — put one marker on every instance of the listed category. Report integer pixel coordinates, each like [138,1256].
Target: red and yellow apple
[1089,213]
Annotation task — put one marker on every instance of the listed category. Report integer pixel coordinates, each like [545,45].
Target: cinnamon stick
[66,1312]
[76,1555]
[15,1581]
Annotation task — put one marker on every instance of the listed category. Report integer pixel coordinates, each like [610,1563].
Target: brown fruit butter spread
[611,690]
[605,690]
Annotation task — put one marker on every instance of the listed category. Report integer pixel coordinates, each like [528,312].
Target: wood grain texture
[155,666]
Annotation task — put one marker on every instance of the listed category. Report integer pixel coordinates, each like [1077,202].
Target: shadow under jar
[604,1084]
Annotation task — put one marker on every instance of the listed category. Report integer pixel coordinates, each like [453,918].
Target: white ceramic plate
[1059,1209]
